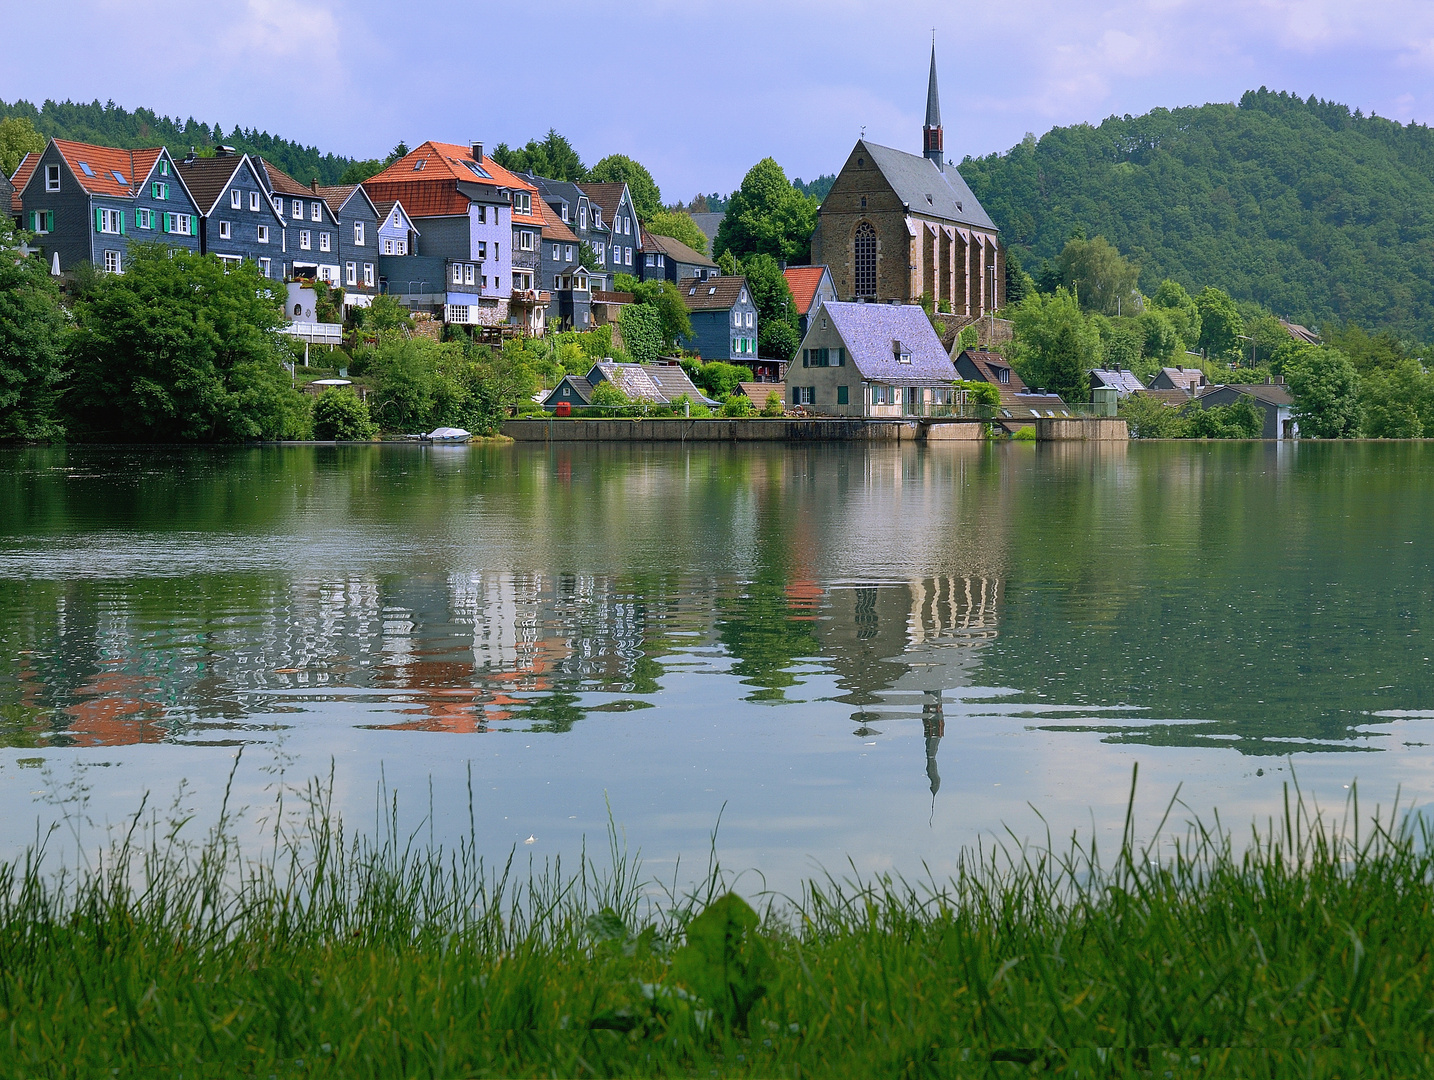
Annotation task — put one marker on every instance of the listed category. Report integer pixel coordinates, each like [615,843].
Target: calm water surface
[878,654]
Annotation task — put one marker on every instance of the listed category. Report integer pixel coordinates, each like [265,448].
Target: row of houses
[1180,385]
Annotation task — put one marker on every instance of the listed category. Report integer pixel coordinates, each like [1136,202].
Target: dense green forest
[111,125]
[1313,211]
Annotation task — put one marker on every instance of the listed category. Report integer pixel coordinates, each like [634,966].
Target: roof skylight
[85,168]
[419,164]
[120,177]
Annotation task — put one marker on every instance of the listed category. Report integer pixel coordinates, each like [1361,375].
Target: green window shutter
[99,219]
[121,222]
[841,357]
[164,221]
[49,221]
[806,358]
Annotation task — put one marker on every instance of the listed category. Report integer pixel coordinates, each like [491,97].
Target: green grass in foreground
[1305,952]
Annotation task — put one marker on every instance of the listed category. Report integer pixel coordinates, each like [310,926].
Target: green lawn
[1299,950]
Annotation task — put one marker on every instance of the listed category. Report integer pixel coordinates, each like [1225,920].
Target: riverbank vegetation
[1298,950]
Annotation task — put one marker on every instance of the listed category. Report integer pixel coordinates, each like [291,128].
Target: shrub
[1025,434]
[339,414]
[738,404]
[773,406]
[720,379]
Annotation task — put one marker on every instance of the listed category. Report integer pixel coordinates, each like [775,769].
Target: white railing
[315,333]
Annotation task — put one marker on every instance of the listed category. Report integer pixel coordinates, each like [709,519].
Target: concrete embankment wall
[678,429]
[1082,429]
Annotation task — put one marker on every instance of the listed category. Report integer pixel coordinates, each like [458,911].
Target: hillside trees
[777,335]
[18,137]
[618,168]
[678,225]
[1098,275]
[767,216]
[553,157]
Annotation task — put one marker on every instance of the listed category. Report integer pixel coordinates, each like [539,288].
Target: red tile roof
[104,162]
[804,281]
[28,164]
[427,189]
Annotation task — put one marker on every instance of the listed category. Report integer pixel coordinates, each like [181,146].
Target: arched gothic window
[864,264]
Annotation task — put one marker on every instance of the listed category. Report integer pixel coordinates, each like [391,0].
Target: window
[109,221]
[627,252]
[263,234]
[749,320]
[163,167]
[112,262]
[495,252]
[736,318]
[358,234]
[224,230]
[52,178]
[119,178]
[568,253]
[351,273]
[324,238]
[482,214]
[254,201]
[841,395]
[144,219]
[159,190]
[329,274]
[627,226]
[458,273]
[305,240]
[368,275]
[388,247]
[525,240]
[278,205]
[582,215]
[298,214]
[179,224]
[557,253]
[395,218]
[264,267]
[804,395]
[598,249]
[651,259]
[864,259]
[234,199]
[468,273]
[419,164]
[522,202]
[482,249]
[863,202]
[1003,374]
[458,313]
[42,221]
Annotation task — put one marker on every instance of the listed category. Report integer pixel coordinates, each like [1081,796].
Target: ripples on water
[815,636]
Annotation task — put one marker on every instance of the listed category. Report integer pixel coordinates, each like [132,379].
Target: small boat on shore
[446,435]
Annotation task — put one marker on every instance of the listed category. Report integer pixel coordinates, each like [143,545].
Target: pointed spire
[933,100]
[932,145]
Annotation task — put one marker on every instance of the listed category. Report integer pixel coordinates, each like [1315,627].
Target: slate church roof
[877,334]
[925,189]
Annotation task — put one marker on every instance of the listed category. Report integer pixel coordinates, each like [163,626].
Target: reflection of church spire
[933,726]
[931,140]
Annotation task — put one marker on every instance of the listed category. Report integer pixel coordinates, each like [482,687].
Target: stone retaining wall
[1081,429]
[678,429]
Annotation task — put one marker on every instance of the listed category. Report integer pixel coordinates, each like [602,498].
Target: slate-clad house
[724,320]
[811,287]
[1122,380]
[463,203]
[666,259]
[397,234]
[1018,401]
[237,220]
[8,204]
[88,203]
[585,220]
[625,241]
[1178,378]
[357,219]
[1272,399]
[569,285]
[870,360]
[312,239]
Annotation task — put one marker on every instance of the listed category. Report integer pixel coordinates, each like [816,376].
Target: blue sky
[700,90]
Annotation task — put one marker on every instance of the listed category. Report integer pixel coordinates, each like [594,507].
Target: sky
[700,90]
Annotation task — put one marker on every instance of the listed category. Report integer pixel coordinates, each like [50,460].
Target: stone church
[897,226]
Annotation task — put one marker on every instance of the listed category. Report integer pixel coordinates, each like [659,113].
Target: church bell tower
[931,142]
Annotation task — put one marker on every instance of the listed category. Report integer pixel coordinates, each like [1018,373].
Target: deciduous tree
[1326,392]
[1099,276]
[620,169]
[1056,345]
[32,342]
[766,215]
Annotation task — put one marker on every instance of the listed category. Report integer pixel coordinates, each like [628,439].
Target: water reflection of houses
[898,649]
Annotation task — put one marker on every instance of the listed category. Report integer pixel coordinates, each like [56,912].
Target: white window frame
[298,214]
[163,167]
[279,205]
[388,245]
[305,240]
[468,273]
[236,199]
[52,178]
[224,230]
[263,234]
[351,273]
[525,240]
[557,253]
[458,273]
[114,262]
[368,275]
[568,253]
[324,243]
[254,202]
[358,234]
[264,267]
[315,214]
[627,253]
[749,320]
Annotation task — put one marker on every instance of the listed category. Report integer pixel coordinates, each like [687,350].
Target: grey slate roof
[658,383]
[933,103]
[870,331]
[1270,395]
[1124,380]
[582,391]
[709,224]
[914,178]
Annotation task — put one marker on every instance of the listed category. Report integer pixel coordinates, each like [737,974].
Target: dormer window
[901,352]
[565,212]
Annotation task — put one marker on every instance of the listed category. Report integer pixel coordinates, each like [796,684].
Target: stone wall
[678,429]
[1081,429]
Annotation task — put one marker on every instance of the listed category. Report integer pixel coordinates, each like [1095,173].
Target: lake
[854,656]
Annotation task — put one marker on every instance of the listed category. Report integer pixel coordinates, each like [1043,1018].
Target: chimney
[478,152]
[314,185]
[192,154]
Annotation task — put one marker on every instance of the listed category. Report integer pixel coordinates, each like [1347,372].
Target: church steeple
[931,141]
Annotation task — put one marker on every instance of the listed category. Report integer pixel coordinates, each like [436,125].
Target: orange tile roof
[553,227]
[28,164]
[444,164]
[104,162]
[803,281]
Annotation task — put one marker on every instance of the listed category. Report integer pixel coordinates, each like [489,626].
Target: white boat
[447,435]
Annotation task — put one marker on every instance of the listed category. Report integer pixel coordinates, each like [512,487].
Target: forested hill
[110,125]
[1311,210]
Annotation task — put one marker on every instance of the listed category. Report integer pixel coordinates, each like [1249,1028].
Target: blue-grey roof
[581,387]
[871,333]
[659,383]
[927,190]
[1124,380]
[933,102]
